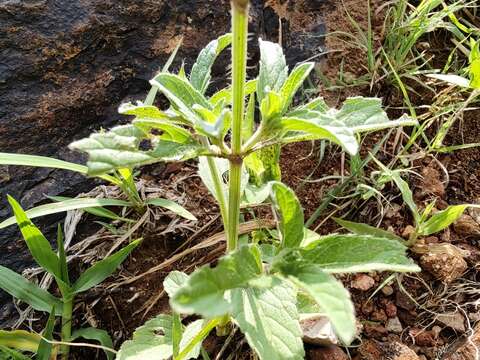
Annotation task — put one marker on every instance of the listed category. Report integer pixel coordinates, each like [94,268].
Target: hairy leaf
[293,83]
[273,69]
[269,319]
[330,295]
[121,147]
[207,286]
[181,94]
[152,341]
[201,70]
[22,289]
[103,269]
[316,129]
[342,253]
[290,214]
[174,281]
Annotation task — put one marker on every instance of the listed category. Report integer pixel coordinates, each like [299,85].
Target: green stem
[198,338]
[66,327]
[239,74]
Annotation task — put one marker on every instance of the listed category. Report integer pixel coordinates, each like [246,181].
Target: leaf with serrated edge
[207,286]
[152,341]
[269,319]
[344,253]
[290,213]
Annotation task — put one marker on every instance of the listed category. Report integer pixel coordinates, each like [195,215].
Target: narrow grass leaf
[442,220]
[172,206]
[66,205]
[364,229]
[98,335]
[24,290]
[103,269]
[20,340]
[37,243]
[45,348]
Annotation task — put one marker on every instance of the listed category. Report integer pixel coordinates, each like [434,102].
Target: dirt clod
[375,350]
[362,282]
[394,325]
[327,353]
[466,226]
[446,265]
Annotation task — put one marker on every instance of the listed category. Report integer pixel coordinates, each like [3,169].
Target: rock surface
[65,67]
[375,350]
[465,349]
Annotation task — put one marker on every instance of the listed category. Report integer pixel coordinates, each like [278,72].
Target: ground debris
[327,353]
[465,349]
[375,350]
[466,226]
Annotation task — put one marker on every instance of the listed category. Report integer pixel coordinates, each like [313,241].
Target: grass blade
[172,206]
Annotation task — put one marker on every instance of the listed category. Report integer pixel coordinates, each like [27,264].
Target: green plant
[258,283]
[40,300]
[425,221]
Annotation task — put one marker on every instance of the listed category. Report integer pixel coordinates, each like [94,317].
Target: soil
[418,316]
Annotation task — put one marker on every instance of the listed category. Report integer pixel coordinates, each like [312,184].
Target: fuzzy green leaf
[201,70]
[22,289]
[330,295]
[273,69]
[343,253]
[173,207]
[181,94]
[269,319]
[317,129]
[174,281]
[293,83]
[290,214]
[103,269]
[152,341]
[207,286]
[120,148]
[10,354]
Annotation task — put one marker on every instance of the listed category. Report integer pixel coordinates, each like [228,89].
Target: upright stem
[239,64]
[66,327]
